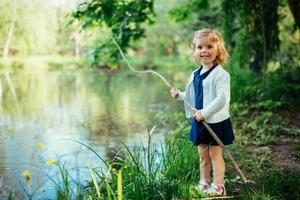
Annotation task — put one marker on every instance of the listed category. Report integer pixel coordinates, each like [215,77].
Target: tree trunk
[263,30]
[10,32]
[77,44]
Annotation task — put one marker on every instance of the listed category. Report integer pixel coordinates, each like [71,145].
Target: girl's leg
[215,153]
[205,162]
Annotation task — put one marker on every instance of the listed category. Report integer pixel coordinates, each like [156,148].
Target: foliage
[283,85]
[206,12]
[251,29]
[262,125]
[279,89]
[172,170]
[164,38]
[124,18]
[282,183]
[254,32]
[39,29]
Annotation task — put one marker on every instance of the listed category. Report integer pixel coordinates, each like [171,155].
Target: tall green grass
[171,170]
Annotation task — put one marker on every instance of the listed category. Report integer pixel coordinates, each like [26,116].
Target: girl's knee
[215,152]
[203,152]
[205,158]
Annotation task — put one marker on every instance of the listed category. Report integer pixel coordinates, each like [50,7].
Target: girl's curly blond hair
[214,36]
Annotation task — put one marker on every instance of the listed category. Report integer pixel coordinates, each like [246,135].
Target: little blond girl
[208,92]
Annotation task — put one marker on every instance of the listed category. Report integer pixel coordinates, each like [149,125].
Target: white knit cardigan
[216,95]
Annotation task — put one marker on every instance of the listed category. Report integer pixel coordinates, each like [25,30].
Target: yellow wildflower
[40,145]
[50,162]
[26,175]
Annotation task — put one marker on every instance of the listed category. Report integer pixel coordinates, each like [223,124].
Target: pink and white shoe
[203,185]
[216,190]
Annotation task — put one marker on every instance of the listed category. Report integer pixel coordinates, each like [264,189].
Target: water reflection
[53,107]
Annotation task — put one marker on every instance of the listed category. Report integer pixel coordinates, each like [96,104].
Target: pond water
[57,109]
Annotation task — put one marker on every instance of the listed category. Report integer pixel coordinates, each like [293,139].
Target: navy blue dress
[199,134]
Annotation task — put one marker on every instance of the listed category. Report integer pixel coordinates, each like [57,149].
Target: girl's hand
[174,93]
[198,116]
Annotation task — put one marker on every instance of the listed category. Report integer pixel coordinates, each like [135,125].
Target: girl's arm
[181,95]
[177,94]
[223,95]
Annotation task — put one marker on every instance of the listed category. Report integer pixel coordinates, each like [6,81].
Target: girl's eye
[209,46]
[199,47]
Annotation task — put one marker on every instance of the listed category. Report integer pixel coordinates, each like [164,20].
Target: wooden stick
[139,71]
[213,134]
[235,165]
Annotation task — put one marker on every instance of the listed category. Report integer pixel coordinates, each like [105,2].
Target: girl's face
[206,51]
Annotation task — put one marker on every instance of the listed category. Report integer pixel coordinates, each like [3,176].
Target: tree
[33,28]
[249,27]
[124,18]
[253,26]
[200,13]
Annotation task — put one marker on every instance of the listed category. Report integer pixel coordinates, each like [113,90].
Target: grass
[171,171]
[178,172]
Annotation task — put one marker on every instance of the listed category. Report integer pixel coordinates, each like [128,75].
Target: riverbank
[266,148]
[266,145]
